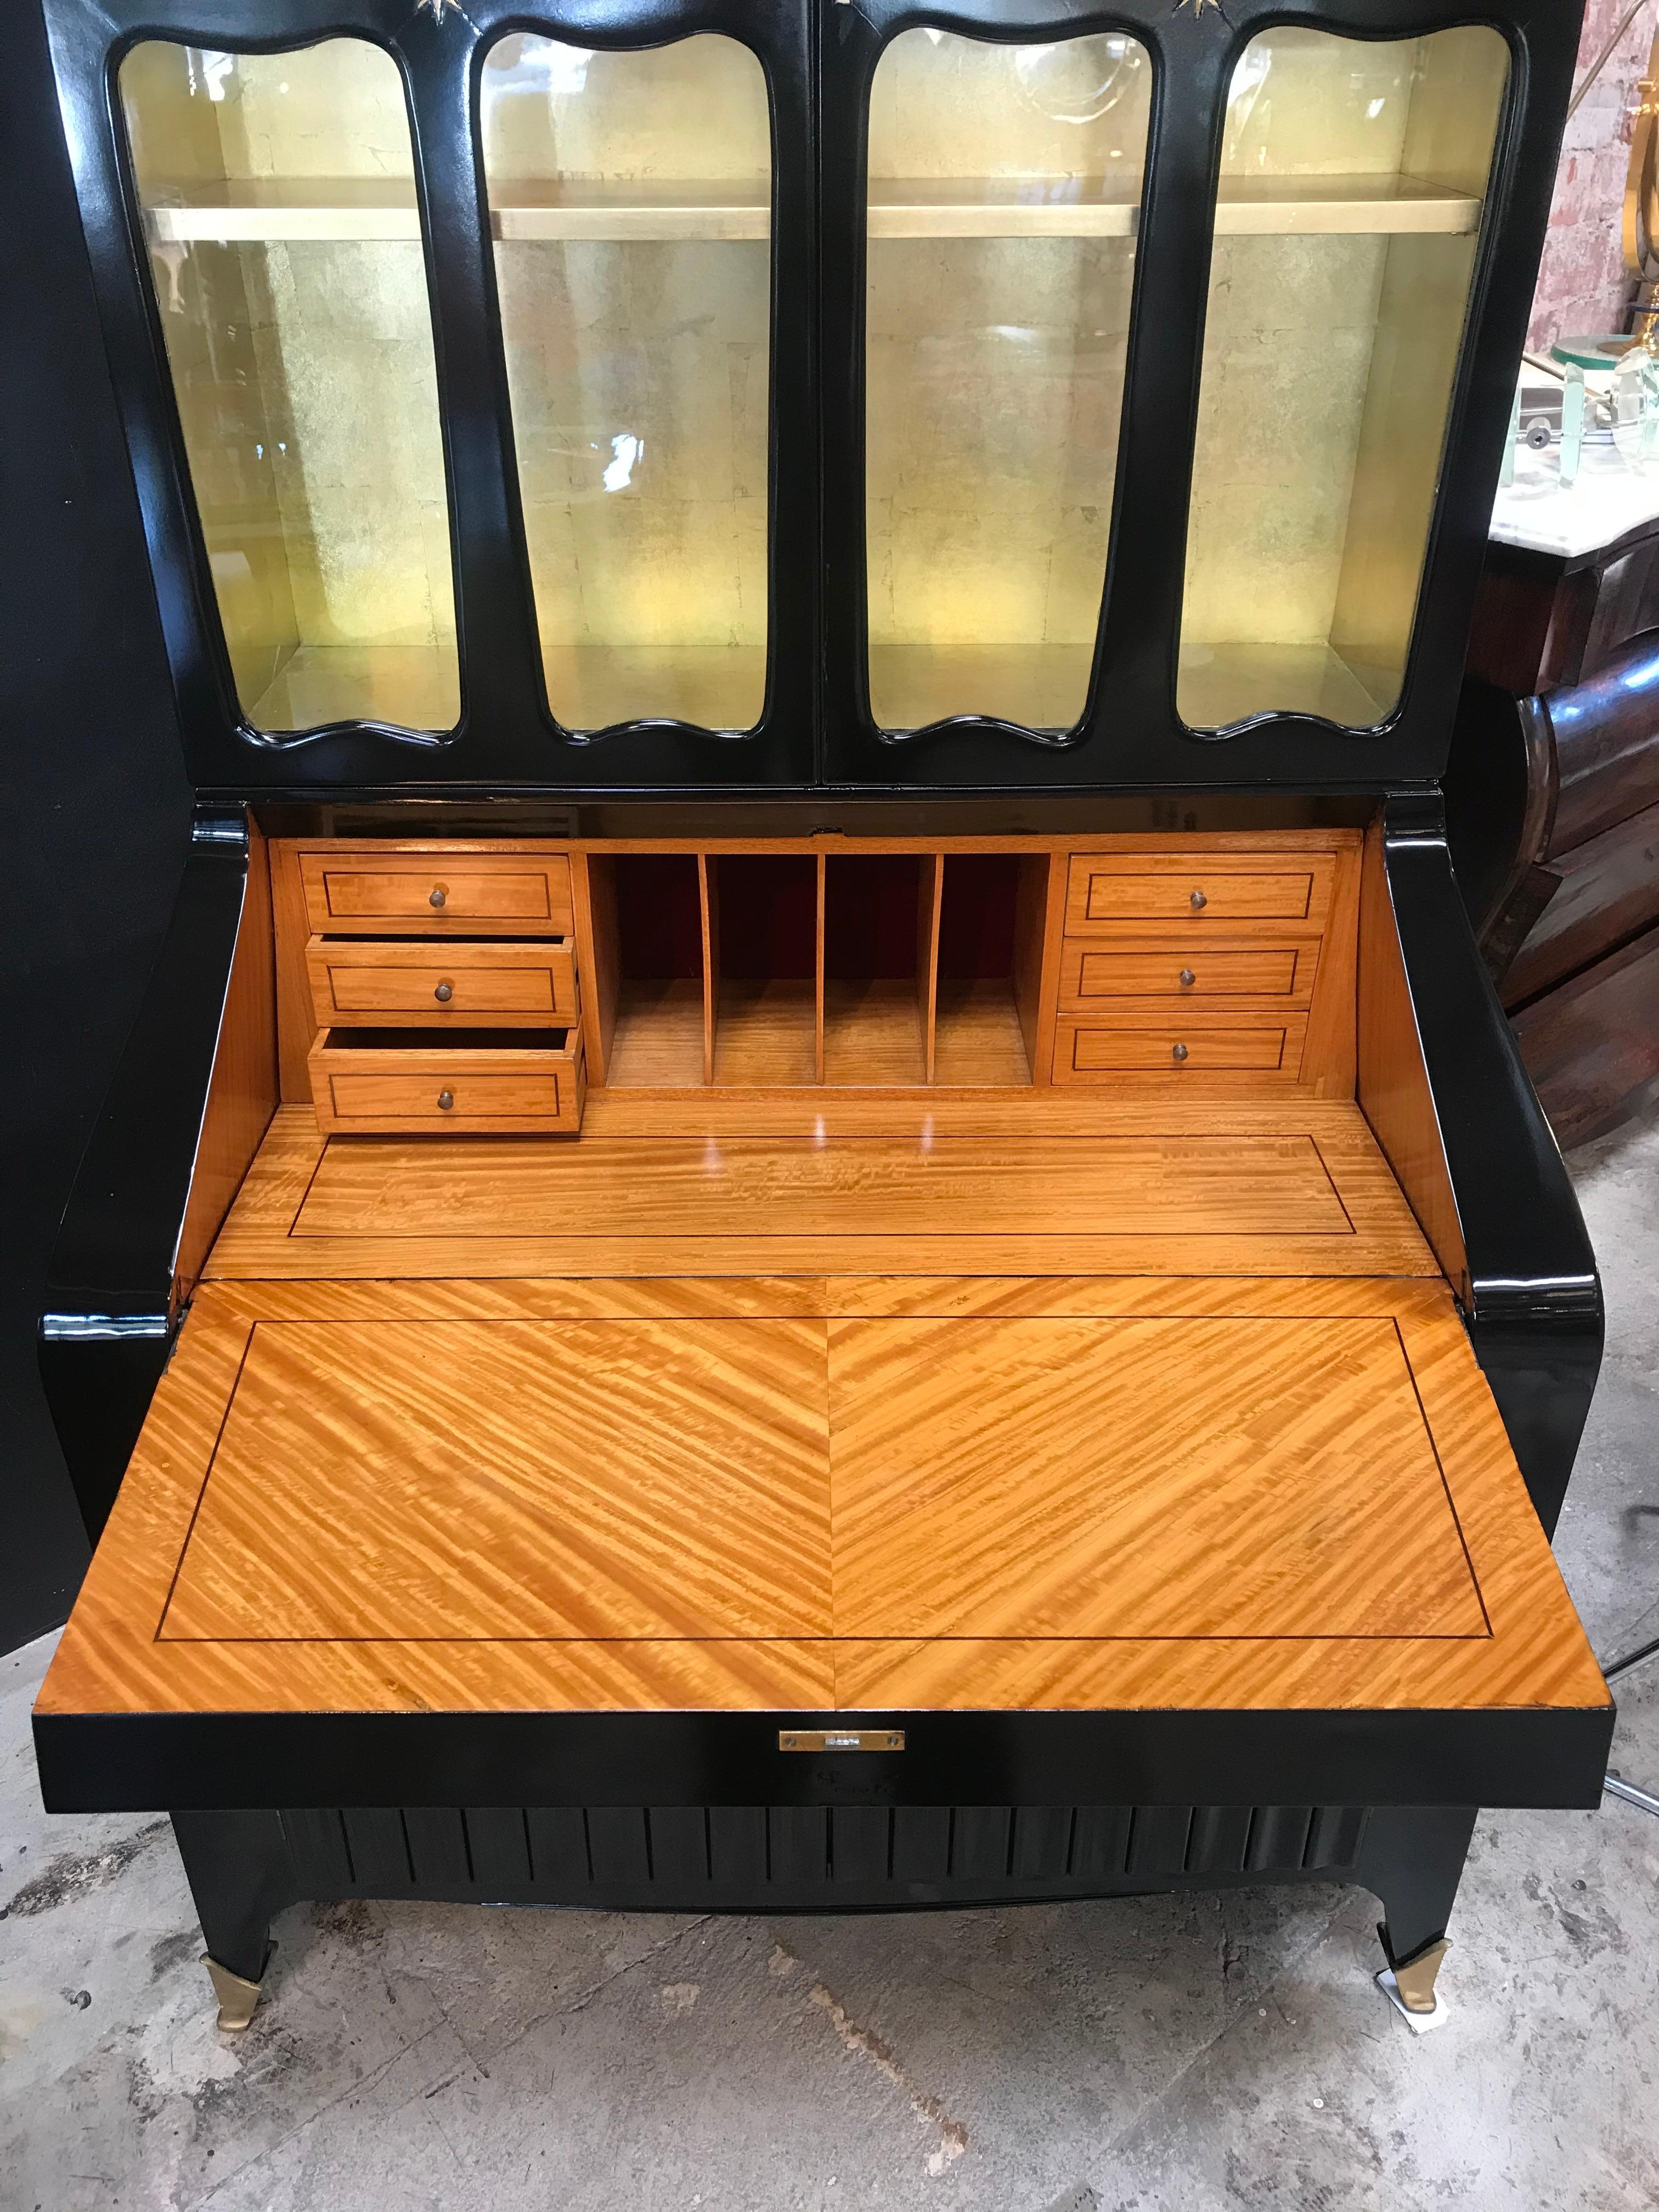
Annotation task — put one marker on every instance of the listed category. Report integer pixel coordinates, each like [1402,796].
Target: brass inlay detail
[841,1739]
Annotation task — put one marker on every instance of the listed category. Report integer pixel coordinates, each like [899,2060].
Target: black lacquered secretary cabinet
[815,642]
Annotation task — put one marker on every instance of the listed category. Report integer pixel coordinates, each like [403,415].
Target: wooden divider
[929,905]
[873,1023]
[818,974]
[708,903]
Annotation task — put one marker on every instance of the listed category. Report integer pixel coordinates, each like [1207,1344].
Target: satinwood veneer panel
[378,1527]
[1184,1476]
[492,1478]
[244,1091]
[859,1186]
[867,1187]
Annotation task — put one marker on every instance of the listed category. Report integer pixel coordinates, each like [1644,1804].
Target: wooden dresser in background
[1553,805]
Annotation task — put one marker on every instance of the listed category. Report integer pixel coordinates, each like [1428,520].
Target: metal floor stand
[1613,1783]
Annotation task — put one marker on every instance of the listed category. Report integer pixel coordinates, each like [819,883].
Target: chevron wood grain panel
[1218,1674]
[577,1298]
[1534,1654]
[507,1479]
[759,1388]
[1121,1297]
[1057,1193]
[114,1660]
[1179,1476]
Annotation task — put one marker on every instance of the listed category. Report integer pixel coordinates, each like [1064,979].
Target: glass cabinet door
[631,195]
[1352,180]
[1005,187]
[278,198]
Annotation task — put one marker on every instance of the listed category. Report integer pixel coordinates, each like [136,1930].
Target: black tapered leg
[1412,1860]
[240,1874]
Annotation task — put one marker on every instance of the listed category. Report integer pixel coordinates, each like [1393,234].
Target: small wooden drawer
[398,1082]
[468,893]
[1092,974]
[1097,1051]
[355,981]
[1104,889]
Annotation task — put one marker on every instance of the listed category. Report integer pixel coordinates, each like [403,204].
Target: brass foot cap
[1415,1979]
[237,1995]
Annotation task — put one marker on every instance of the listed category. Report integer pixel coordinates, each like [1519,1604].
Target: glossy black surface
[241,1873]
[816,723]
[505,736]
[109,1315]
[1131,733]
[1485,789]
[244,1868]
[1535,1311]
[139,1762]
[96,807]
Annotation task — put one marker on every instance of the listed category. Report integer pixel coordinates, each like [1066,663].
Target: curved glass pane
[278,194]
[1353,174]
[630,195]
[1005,193]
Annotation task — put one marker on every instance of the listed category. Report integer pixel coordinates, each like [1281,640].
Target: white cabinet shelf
[356,209]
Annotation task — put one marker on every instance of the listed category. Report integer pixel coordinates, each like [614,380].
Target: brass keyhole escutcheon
[1177,1052]
[446,1100]
[1198,900]
[438,895]
[1187,979]
[444,994]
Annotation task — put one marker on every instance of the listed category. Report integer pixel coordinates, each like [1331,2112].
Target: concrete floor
[1144,2054]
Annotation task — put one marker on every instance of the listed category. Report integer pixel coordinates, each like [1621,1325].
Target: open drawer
[506,1542]
[480,1082]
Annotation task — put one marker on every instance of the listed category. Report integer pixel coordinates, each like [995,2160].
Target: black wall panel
[96,810]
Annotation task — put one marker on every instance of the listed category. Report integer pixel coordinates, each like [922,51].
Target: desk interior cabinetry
[856,965]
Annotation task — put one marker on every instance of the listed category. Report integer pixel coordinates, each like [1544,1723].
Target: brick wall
[1581,283]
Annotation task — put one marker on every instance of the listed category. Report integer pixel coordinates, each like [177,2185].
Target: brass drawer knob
[1187,979]
[444,994]
[446,1100]
[1177,1052]
[1198,900]
[440,897]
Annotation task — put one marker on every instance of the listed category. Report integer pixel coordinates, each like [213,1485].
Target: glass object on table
[1005,187]
[278,198]
[1506,474]
[1634,405]
[1572,422]
[630,195]
[1353,177]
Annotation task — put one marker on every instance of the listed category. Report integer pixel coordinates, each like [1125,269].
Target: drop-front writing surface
[1004,183]
[1331,349]
[287,330]
[631,196]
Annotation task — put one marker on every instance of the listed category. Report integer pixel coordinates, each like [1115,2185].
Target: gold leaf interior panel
[304,372]
[631,194]
[995,366]
[1329,359]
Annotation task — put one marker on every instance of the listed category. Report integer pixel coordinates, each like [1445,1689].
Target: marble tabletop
[1606,503]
